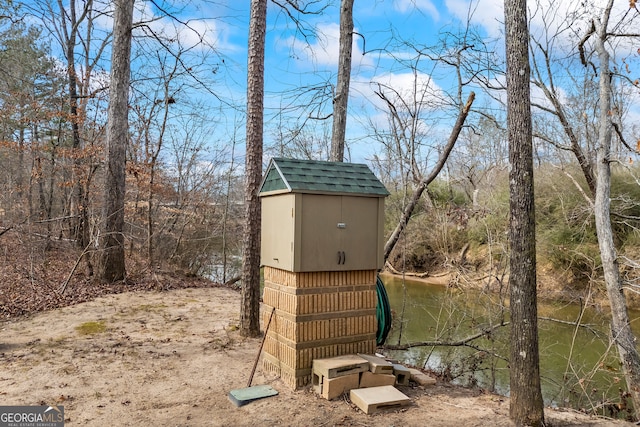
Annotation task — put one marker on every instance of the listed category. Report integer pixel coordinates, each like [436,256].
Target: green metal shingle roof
[311,176]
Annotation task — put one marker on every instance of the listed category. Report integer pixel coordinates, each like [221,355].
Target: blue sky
[298,59]
[295,60]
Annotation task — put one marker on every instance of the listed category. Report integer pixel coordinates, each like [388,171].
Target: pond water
[578,368]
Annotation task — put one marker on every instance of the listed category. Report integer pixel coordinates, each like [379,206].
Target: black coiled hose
[383,312]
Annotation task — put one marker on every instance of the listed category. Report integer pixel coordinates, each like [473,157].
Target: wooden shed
[322,246]
[321,216]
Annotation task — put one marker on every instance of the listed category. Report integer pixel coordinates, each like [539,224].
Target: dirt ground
[170,358]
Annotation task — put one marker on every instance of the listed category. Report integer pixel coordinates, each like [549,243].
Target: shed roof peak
[320,177]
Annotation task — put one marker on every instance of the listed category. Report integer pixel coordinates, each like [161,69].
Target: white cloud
[425,6]
[553,14]
[537,94]
[324,51]
[488,14]
[196,32]
[191,30]
[401,88]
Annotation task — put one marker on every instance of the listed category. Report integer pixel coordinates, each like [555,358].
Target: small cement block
[334,387]
[369,379]
[375,399]
[378,365]
[338,366]
[402,373]
[421,378]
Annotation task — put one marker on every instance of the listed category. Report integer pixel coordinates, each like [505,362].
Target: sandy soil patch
[170,358]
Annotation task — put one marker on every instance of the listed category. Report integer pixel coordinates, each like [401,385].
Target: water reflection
[578,368]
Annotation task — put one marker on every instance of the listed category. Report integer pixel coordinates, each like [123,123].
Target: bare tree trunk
[621,333]
[225,213]
[21,167]
[341,98]
[408,211]
[111,267]
[526,406]
[41,197]
[80,205]
[82,219]
[585,166]
[53,158]
[250,313]
[153,167]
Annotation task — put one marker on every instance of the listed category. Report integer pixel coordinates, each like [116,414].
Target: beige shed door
[278,231]
[338,233]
